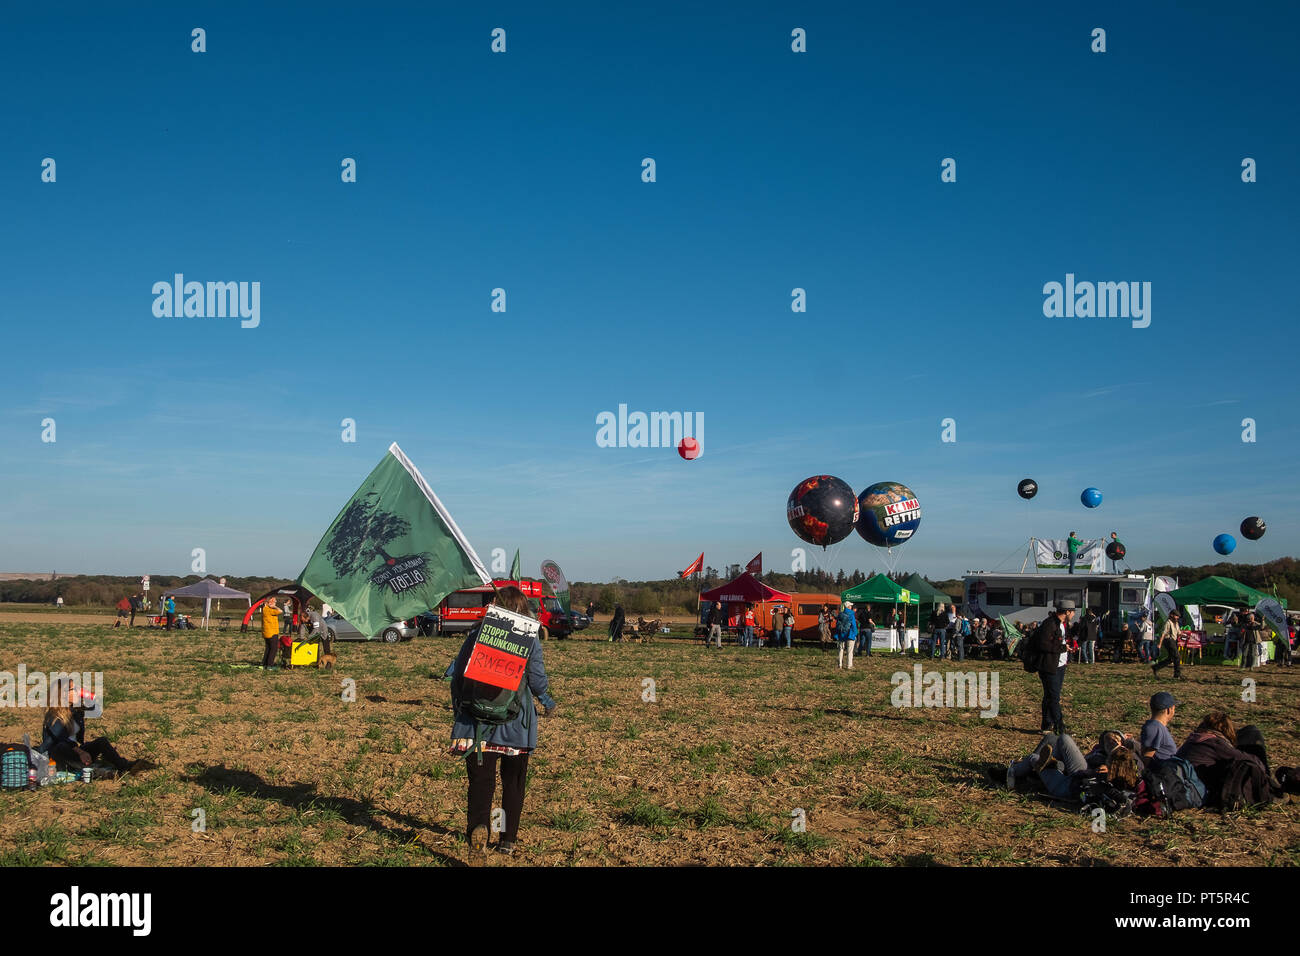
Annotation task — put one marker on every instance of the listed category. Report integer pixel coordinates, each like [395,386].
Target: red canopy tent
[745,589]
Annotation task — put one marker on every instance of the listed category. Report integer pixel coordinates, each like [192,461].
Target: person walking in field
[1169,646]
[270,633]
[504,747]
[123,609]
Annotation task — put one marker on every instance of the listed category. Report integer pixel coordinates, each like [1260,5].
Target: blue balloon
[1091,498]
[1225,544]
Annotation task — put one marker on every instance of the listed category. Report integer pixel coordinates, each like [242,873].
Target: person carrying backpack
[846,632]
[505,743]
[1232,763]
[1047,655]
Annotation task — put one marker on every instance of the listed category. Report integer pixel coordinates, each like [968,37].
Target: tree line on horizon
[668,596]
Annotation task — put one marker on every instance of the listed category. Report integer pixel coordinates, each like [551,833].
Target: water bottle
[85,775]
[31,778]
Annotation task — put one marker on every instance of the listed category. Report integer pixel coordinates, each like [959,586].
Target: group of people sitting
[956,636]
[1224,766]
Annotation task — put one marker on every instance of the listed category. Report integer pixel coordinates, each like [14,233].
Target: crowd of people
[956,636]
[1218,765]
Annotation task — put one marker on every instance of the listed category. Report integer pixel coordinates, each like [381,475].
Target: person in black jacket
[1052,646]
[1089,628]
[715,624]
[616,624]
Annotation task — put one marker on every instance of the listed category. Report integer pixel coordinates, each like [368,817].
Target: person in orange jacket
[270,632]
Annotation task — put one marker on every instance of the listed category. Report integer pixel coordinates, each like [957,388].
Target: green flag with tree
[393,551]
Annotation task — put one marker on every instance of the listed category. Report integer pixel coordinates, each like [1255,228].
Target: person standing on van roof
[1072,545]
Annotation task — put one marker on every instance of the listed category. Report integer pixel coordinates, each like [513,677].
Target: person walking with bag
[1048,654]
[501,746]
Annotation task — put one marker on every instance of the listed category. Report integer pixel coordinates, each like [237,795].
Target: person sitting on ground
[1215,745]
[1106,745]
[1063,770]
[1156,742]
[996,642]
[63,736]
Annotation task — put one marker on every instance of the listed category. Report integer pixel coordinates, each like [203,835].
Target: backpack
[1175,784]
[1245,785]
[16,763]
[1099,792]
[1031,648]
[489,706]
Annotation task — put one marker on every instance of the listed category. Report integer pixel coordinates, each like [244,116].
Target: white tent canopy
[207,589]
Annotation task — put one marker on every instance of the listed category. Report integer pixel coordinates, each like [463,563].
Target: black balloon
[822,510]
[1253,528]
[1115,551]
[1027,488]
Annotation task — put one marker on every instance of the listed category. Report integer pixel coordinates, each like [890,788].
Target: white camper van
[1027,598]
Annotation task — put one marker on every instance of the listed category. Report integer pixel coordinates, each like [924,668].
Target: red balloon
[688,448]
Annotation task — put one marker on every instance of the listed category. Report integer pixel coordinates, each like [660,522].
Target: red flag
[755,565]
[696,565]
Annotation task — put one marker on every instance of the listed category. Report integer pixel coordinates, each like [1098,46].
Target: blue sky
[522,170]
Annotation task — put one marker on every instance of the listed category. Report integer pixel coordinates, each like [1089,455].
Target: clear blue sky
[775,170]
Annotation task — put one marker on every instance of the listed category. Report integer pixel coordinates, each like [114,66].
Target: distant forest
[671,596]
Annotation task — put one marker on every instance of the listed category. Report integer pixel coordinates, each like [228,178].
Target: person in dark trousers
[1053,656]
[505,747]
[170,607]
[616,624]
[1169,646]
[1072,545]
[63,735]
[270,633]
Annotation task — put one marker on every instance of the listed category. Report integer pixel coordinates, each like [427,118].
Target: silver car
[341,630]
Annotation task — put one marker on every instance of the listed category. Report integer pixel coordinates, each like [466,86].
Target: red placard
[490,665]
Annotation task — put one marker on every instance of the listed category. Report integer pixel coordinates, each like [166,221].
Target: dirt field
[710,772]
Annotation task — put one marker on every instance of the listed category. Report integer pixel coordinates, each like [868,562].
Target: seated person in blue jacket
[505,745]
[63,736]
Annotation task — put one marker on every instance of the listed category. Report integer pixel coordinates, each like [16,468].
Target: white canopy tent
[207,589]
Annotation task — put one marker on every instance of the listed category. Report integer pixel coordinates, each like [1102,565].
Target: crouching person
[489,746]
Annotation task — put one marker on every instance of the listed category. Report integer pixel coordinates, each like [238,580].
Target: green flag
[393,551]
[514,567]
[1012,633]
[559,583]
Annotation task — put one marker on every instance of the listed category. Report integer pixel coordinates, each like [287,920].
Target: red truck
[461,610]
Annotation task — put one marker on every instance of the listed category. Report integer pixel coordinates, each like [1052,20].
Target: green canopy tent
[879,589]
[929,594]
[1219,590]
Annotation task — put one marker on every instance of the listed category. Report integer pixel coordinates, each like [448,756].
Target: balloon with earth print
[1225,544]
[888,514]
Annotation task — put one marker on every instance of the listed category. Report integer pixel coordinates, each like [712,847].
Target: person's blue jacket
[520,732]
[965,627]
[171,606]
[846,626]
